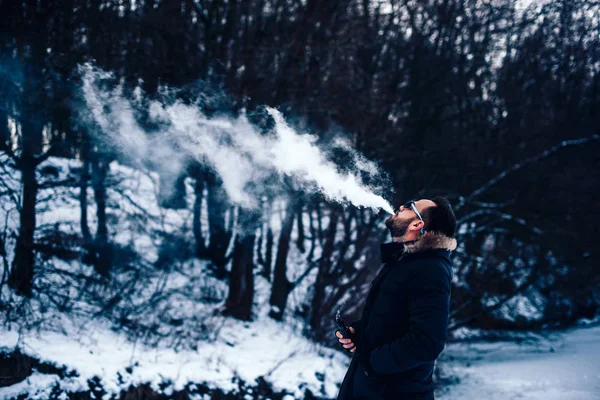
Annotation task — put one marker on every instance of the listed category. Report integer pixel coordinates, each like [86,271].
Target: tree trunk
[281,285]
[33,117]
[321,282]
[219,238]
[4,131]
[300,239]
[21,275]
[268,236]
[103,251]
[89,256]
[83,200]
[201,250]
[268,253]
[171,193]
[313,235]
[241,280]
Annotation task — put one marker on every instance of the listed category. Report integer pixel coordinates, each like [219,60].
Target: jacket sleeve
[429,303]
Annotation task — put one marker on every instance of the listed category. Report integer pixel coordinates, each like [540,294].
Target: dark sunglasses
[411,204]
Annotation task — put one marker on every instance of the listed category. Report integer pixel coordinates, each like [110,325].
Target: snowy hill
[163,327]
[242,351]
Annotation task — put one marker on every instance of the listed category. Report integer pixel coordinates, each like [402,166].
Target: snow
[528,306]
[90,341]
[563,366]
[245,350]
[38,386]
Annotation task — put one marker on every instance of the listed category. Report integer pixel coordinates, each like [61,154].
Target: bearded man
[402,330]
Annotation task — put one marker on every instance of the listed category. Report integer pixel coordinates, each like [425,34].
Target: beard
[397,227]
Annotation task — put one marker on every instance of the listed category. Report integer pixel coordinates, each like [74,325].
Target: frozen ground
[565,366]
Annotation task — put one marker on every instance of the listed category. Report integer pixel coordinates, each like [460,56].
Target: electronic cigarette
[341,326]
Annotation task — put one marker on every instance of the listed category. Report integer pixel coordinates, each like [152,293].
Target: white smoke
[296,155]
[243,157]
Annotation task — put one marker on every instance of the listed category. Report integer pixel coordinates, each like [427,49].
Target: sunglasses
[411,204]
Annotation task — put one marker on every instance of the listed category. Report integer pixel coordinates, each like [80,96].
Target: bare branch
[303,275]
[527,161]
[502,216]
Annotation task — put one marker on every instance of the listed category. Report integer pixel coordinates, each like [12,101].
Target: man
[402,329]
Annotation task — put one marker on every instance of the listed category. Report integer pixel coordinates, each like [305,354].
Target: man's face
[405,219]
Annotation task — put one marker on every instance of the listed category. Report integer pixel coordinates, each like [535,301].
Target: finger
[349,345]
[353,350]
[345,340]
[352,329]
[338,334]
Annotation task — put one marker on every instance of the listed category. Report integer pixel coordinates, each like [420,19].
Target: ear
[417,225]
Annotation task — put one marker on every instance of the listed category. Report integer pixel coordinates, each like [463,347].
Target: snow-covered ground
[563,366]
[231,351]
[192,342]
[240,350]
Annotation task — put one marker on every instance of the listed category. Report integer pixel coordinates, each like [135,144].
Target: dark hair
[440,219]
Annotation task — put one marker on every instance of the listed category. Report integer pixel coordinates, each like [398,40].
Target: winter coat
[403,326]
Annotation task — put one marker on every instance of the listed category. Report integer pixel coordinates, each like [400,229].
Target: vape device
[341,326]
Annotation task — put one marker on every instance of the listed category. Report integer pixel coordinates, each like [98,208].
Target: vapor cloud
[244,158]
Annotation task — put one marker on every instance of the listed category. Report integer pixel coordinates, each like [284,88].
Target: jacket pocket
[367,386]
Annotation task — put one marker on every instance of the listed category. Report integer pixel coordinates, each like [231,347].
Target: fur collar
[431,241]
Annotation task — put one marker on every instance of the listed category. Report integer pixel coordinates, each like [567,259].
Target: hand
[346,343]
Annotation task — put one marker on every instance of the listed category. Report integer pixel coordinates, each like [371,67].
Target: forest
[491,103]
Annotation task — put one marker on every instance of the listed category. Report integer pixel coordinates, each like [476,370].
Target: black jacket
[402,329]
